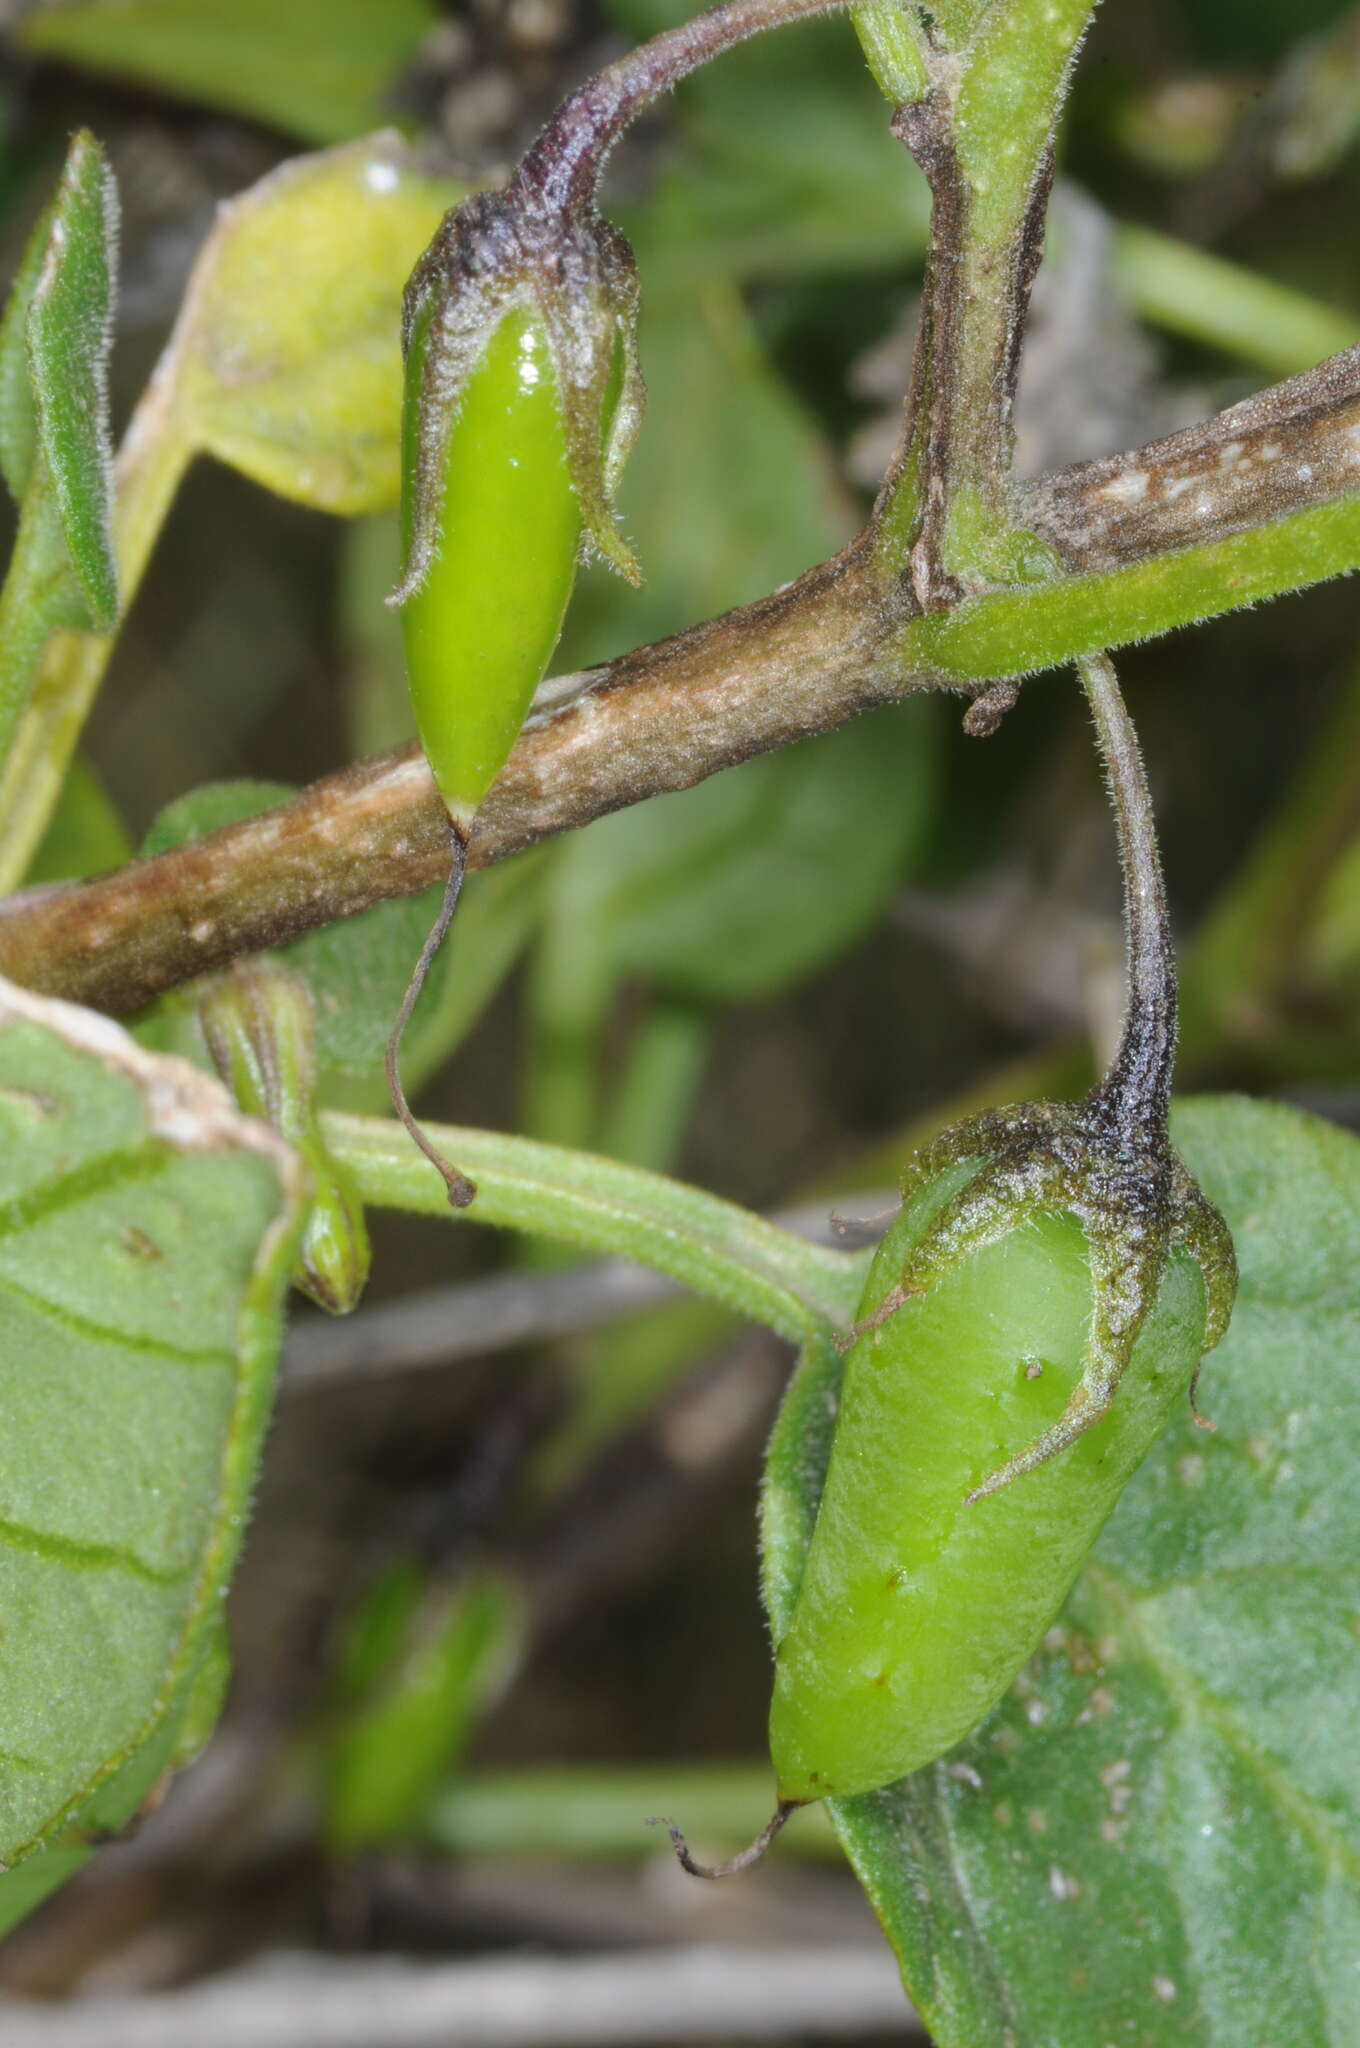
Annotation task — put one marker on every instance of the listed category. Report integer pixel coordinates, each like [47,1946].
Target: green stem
[1189,292]
[983,138]
[587,1812]
[707,1244]
[888,36]
[1018,632]
[151,462]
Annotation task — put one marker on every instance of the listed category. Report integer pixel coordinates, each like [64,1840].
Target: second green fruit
[918,1606]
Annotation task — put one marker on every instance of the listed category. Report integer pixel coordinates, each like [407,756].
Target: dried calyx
[515,250]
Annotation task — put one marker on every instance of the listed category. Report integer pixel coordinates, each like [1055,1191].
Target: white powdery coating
[186,1108]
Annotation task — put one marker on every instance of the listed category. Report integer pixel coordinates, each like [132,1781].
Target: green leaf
[146,1234]
[749,881]
[70,333]
[86,835]
[358,969]
[54,436]
[18,413]
[286,362]
[1157,1836]
[746,884]
[318,69]
[425,1662]
[286,359]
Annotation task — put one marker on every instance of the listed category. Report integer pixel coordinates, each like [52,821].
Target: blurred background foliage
[771,984]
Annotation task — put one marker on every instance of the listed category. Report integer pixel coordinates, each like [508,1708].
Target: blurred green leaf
[729,491]
[583,1810]
[18,410]
[378,712]
[1192,292]
[146,1232]
[318,69]
[737,887]
[743,886]
[86,835]
[1226,32]
[70,332]
[1332,951]
[286,358]
[788,165]
[423,1664]
[1157,1835]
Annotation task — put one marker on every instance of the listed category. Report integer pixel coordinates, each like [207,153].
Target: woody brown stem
[659,719]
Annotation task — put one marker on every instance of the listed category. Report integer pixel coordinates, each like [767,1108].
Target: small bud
[260,1029]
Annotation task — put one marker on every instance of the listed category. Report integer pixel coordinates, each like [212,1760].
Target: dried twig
[659,1995]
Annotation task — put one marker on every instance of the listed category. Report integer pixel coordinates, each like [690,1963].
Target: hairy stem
[564,166]
[983,138]
[1135,1094]
[1259,500]
[548,1190]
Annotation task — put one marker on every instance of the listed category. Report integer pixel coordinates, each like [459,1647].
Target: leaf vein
[85,1557]
[98,1176]
[79,1325]
[1192,1697]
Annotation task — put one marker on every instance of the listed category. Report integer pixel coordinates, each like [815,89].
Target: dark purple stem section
[563,168]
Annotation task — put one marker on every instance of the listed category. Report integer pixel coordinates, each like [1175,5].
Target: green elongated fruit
[1027,1326]
[480,629]
[521,400]
[919,1604]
